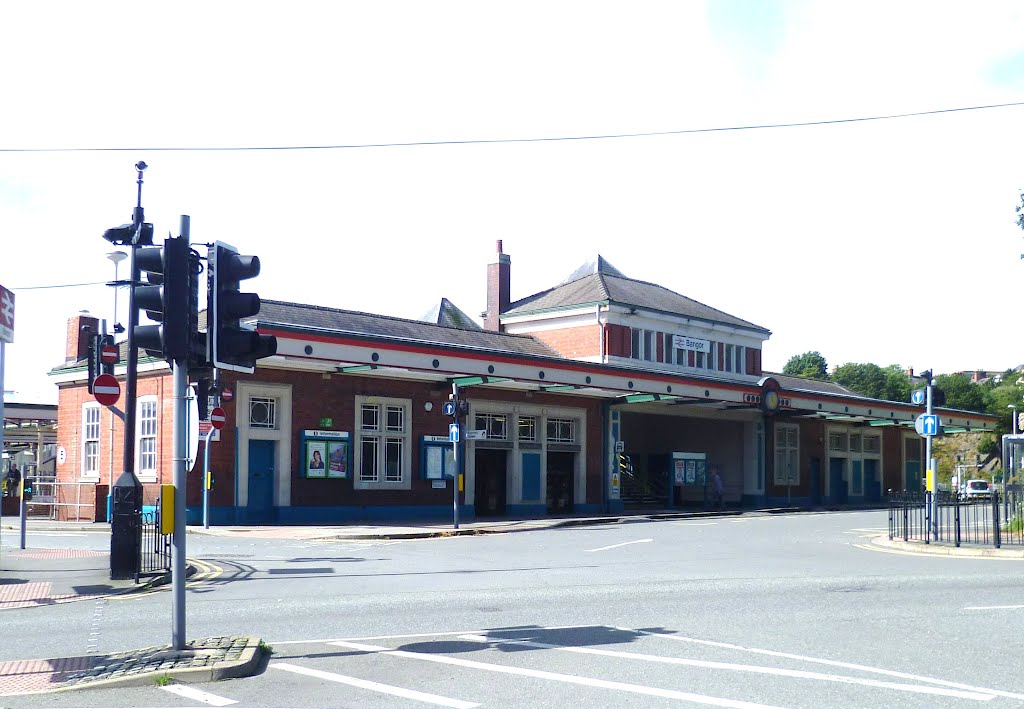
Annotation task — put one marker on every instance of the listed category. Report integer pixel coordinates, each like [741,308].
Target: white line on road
[798,674]
[614,546]
[557,677]
[831,663]
[198,695]
[412,635]
[376,686]
[695,524]
[992,608]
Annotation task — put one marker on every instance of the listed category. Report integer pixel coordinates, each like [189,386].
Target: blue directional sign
[449,408]
[453,432]
[917,396]
[927,425]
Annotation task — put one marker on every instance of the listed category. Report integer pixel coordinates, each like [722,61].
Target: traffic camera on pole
[165,298]
[230,344]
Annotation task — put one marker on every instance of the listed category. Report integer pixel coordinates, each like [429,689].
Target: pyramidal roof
[598,264]
[597,281]
[446,314]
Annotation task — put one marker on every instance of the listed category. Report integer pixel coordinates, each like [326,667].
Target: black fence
[155,552]
[994,520]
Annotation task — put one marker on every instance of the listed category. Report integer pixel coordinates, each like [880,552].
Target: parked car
[975,490]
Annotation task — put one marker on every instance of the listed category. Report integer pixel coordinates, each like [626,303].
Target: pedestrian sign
[927,425]
[453,432]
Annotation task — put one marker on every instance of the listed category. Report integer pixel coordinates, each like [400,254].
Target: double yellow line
[204,572]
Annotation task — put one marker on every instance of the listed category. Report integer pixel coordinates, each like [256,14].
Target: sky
[565,129]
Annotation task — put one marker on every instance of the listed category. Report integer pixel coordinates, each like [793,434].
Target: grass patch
[266,649]
[162,680]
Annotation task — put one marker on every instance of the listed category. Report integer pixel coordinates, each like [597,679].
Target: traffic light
[230,344]
[96,364]
[124,235]
[165,299]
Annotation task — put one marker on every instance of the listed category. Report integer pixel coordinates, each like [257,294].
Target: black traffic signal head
[230,344]
[124,235]
[165,299]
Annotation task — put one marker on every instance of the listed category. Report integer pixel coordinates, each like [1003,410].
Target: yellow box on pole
[930,480]
[209,479]
[167,509]
[462,482]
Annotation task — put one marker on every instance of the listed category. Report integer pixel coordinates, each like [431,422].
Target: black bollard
[126,527]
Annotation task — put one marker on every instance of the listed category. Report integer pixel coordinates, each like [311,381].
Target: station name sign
[682,342]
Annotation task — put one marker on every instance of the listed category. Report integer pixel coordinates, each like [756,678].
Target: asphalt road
[771,610]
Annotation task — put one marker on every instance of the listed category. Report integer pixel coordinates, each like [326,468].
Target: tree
[897,384]
[865,379]
[809,365]
[961,392]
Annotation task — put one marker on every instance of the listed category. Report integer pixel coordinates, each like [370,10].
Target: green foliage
[865,379]
[809,365]
[162,680]
[961,392]
[987,445]
[265,648]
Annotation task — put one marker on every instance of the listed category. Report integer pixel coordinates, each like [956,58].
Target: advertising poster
[316,457]
[337,459]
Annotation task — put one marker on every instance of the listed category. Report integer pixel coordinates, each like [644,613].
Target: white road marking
[412,635]
[615,546]
[695,524]
[799,674]
[183,690]
[832,663]
[376,686]
[992,608]
[557,677]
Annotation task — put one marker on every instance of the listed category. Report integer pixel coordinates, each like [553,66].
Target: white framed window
[528,429]
[383,449]
[787,454]
[635,343]
[496,425]
[262,412]
[650,348]
[146,429]
[837,442]
[561,430]
[873,445]
[91,441]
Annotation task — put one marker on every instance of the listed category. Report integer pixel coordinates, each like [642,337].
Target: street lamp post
[117,257]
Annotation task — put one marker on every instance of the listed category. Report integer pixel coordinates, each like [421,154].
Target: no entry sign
[217,418]
[106,389]
[109,353]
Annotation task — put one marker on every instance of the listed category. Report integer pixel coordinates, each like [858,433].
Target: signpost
[106,389]
[927,425]
[6,335]
[217,420]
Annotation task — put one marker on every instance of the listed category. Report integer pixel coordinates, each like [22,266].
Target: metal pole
[458,462]
[3,471]
[179,369]
[934,511]
[206,471]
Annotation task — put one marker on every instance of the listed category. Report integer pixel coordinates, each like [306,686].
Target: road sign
[453,432]
[106,389]
[6,315]
[226,394]
[475,435]
[217,418]
[108,353]
[927,425]
[449,408]
[917,397]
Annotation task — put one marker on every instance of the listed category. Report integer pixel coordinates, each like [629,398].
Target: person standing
[717,489]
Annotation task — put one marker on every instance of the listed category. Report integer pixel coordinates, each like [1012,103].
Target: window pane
[396,418]
[649,349]
[635,344]
[370,417]
[527,428]
[368,459]
[393,461]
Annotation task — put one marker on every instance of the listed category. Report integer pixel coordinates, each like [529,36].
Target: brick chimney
[498,277]
[80,327]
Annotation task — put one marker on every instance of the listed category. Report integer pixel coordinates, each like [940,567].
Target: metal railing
[155,552]
[992,521]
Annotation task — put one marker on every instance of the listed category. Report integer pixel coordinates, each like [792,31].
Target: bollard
[126,527]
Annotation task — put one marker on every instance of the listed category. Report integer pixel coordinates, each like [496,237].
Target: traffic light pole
[179,369]
[458,462]
[932,474]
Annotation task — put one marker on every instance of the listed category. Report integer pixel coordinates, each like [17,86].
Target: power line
[549,139]
[63,285]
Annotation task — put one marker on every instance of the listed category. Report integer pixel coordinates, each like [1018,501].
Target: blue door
[836,485]
[260,509]
[872,485]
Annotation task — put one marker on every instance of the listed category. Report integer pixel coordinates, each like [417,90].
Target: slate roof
[335,321]
[609,286]
[446,314]
[815,385]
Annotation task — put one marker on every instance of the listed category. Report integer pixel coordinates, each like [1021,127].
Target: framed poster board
[324,454]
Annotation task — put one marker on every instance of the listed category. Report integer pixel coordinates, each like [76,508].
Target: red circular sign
[226,394]
[108,353]
[106,389]
[217,418]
